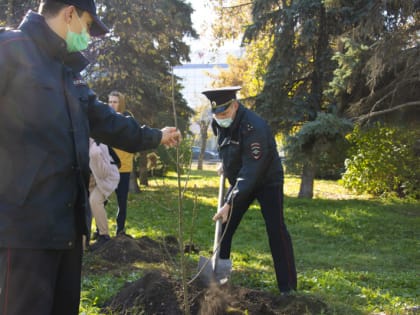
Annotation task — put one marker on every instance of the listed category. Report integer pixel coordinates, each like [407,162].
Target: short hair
[121,100]
[50,8]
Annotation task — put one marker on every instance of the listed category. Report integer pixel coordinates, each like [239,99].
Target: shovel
[215,269]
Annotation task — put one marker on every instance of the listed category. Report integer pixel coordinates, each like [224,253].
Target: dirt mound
[157,293]
[124,249]
[239,300]
[152,294]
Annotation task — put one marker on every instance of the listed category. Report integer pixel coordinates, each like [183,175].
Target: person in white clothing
[104,180]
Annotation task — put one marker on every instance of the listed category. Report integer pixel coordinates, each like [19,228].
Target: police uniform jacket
[47,114]
[249,155]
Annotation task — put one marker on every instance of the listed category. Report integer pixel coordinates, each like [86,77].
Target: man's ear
[236,104]
[69,11]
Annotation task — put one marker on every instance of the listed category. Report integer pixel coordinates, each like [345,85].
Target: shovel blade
[219,276]
[206,275]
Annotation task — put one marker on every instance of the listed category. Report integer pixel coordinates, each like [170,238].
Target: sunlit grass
[359,254]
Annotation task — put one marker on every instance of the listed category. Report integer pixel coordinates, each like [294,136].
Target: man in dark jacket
[253,168]
[47,114]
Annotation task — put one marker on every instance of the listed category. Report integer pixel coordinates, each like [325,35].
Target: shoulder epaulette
[4,29]
[246,127]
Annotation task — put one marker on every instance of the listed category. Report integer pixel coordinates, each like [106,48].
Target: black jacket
[47,114]
[249,154]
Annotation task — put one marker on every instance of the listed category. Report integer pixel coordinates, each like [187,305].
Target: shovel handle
[221,191]
[218,228]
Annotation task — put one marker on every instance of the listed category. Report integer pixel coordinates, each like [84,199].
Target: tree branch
[237,6]
[386,111]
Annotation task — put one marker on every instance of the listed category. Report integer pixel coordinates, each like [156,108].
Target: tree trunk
[200,162]
[317,90]
[204,126]
[307,181]
[134,187]
[143,176]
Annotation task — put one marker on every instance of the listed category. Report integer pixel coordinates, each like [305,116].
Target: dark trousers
[270,199]
[40,282]
[122,196]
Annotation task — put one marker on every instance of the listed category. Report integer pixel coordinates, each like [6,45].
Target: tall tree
[376,83]
[146,41]
[298,72]
[373,72]
[328,57]
[378,71]
[247,70]
[289,41]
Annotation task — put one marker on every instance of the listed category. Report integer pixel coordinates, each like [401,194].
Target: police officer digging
[253,168]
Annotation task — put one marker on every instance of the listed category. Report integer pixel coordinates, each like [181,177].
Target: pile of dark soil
[157,293]
[126,250]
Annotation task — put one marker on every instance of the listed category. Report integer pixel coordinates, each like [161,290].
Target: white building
[195,76]
[195,79]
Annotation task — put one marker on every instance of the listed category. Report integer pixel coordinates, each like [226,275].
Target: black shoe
[122,233]
[287,293]
[102,239]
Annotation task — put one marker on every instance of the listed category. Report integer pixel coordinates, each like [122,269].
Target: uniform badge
[256,150]
[249,127]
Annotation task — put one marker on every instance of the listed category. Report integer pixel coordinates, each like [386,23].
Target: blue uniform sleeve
[6,59]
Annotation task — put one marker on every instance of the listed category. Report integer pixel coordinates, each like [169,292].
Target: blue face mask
[225,122]
[77,42]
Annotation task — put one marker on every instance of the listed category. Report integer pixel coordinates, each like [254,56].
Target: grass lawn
[358,254]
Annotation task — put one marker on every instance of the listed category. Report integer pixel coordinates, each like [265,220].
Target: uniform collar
[235,124]
[238,117]
[37,29]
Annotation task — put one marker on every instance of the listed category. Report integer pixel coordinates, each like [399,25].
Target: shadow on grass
[369,244]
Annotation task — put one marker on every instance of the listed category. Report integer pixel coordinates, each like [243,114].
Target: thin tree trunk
[143,176]
[307,181]
[204,126]
[317,90]
[134,187]
[200,162]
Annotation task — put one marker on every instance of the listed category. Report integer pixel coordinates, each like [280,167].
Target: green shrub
[331,164]
[382,161]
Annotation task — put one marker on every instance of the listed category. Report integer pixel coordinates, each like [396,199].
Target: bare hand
[170,137]
[222,213]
